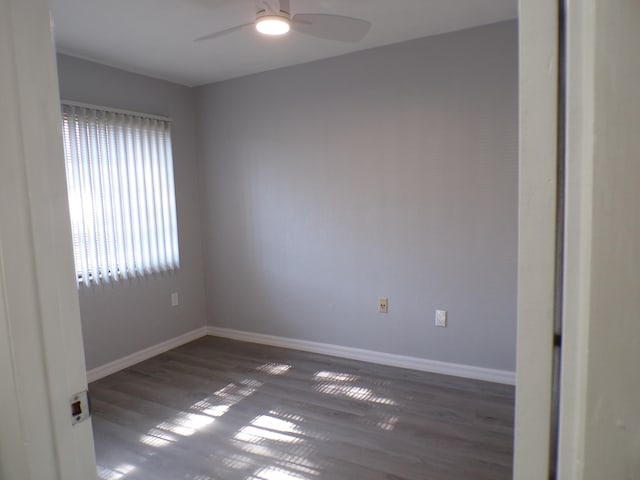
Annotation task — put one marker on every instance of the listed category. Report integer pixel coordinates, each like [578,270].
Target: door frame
[598,433]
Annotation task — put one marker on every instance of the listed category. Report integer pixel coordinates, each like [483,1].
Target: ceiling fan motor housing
[266,10]
[273,22]
[261,14]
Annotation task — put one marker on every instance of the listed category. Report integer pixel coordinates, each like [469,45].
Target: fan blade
[262,5]
[285,6]
[223,32]
[331,27]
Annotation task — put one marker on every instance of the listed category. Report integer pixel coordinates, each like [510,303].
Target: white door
[41,352]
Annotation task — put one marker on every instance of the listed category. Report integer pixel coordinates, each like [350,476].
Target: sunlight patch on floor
[353,392]
[116,473]
[336,377]
[338,384]
[158,438]
[277,428]
[388,422]
[275,473]
[266,427]
[186,424]
[274,368]
[208,409]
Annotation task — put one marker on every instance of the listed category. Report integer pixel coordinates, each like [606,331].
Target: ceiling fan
[277,20]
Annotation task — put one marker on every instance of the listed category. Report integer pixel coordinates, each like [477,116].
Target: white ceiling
[155,37]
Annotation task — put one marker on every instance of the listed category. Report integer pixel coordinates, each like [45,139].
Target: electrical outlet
[441,318]
[175,301]
[383,305]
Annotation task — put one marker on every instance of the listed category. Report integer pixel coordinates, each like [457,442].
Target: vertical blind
[121,194]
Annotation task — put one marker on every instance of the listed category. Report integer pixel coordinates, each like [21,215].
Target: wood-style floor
[218,409]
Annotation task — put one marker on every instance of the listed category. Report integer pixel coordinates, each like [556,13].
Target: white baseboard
[414,363]
[137,357]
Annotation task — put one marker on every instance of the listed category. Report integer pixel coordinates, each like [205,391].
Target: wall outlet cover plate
[441,318]
[383,305]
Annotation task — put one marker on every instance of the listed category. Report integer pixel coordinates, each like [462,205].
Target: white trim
[137,357]
[538,27]
[389,359]
[402,361]
[102,108]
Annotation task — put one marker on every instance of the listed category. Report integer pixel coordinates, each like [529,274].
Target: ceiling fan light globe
[273,25]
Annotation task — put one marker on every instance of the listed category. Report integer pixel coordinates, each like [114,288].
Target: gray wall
[124,318]
[390,172]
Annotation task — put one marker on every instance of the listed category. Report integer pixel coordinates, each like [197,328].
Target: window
[121,193]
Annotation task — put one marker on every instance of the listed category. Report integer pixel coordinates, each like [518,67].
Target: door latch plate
[80,409]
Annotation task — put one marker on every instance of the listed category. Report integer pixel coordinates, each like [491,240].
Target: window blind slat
[116,206]
[99,213]
[88,220]
[127,207]
[149,161]
[157,196]
[106,176]
[173,229]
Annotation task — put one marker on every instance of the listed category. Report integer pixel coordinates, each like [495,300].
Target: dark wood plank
[218,409]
